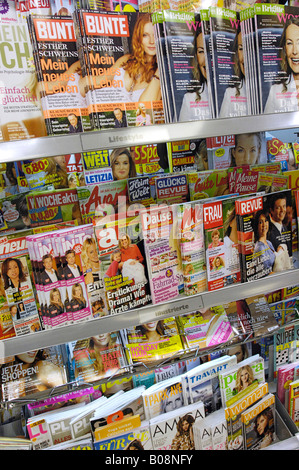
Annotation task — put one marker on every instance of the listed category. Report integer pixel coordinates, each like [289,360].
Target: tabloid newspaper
[59,74]
[51,207]
[174,430]
[265,239]
[259,424]
[234,409]
[20,108]
[163,257]
[119,80]
[221,243]
[152,342]
[191,234]
[32,372]
[98,357]
[18,293]
[230,90]
[232,381]
[185,53]
[99,200]
[122,264]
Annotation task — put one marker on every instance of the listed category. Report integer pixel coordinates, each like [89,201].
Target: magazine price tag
[178,308]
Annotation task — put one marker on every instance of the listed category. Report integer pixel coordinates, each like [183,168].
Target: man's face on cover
[279,210]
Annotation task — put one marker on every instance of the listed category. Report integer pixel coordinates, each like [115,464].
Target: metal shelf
[185,304]
[113,138]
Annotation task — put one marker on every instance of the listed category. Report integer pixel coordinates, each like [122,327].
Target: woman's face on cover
[240,53]
[247,149]
[92,252]
[101,340]
[263,225]
[148,39]
[121,167]
[200,54]
[261,424]
[13,270]
[292,47]
[56,297]
[151,326]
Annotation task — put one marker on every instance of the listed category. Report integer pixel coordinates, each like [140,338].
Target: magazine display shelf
[182,305]
[114,138]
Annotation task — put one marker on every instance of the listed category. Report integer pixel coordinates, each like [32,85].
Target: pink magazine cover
[161,242]
[16,284]
[69,245]
[51,281]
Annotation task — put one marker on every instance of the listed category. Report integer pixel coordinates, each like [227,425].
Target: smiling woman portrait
[283,95]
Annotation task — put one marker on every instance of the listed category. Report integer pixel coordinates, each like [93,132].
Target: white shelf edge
[47,338]
[114,138]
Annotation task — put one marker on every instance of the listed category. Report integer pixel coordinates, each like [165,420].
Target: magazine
[122,264]
[239,377]
[18,293]
[263,252]
[51,207]
[152,342]
[61,171]
[14,213]
[211,432]
[7,329]
[229,77]
[163,397]
[276,85]
[97,166]
[98,357]
[234,408]
[202,382]
[151,159]
[169,431]
[139,438]
[99,200]
[52,427]
[285,311]
[185,57]
[188,155]
[189,217]
[221,243]
[251,317]
[119,407]
[80,425]
[49,279]
[63,100]
[259,424]
[205,328]
[205,184]
[113,60]
[285,375]
[172,189]
[293,401]
[161,243]
[286,346]
[21,114]
[36,371]
[219,151]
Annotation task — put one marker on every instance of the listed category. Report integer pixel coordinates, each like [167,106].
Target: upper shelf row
[131,136]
